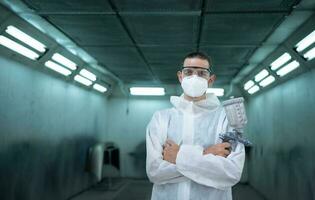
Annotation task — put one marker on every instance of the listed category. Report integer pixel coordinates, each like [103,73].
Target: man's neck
[195,98]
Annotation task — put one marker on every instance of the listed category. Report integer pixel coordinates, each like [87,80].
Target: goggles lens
[201,72]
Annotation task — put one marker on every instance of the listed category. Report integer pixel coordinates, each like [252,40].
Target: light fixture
[88,74]
[305,42]
[261,75]
[288,68]
[216,91]
[248,84]
[253,90]
[54,66]
[99,88]
[310,54]
[83,80]
[64,61]
[280,61]
[18,34]
[18,48]
[154,91]
[270,79]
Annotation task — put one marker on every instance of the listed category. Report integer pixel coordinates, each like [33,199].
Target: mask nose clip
[194,75]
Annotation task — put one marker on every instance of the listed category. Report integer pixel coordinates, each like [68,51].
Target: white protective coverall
[194,126]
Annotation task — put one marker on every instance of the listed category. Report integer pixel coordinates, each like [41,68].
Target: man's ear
[211,79]
[180,76]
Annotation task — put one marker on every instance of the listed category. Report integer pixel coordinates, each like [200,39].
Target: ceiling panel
[249,5]
[92,29]
[3,13]
[166,66]
[158,5]
[221,81]
[168,55]
[223,71]
[128,71]
[306,5]
[238,29]
[170,81]
[118,58]
[130,75]
[135,77]
[228,55]
[163,29]
[69,5]
[166,73]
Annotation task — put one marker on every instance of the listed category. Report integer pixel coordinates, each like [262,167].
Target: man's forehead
[197,62]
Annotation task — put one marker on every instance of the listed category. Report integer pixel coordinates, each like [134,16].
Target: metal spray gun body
[235,113]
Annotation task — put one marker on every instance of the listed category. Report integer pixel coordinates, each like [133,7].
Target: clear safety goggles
[199,71]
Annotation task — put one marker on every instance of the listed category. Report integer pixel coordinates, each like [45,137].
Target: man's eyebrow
[197,67]
[194,67]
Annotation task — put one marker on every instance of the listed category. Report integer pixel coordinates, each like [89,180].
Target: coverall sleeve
[210,170]
[158,170]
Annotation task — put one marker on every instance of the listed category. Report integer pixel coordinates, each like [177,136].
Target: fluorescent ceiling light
[99,88]
[288,68]
[310,54]
[88,74]
[216,91]
[267,81]
[18,48]
[57,68]
[18,34]
[154,91]
[248,84]
[306,42]
[280,61]
[261,75]
[253,90]
[64,61]
[82,80]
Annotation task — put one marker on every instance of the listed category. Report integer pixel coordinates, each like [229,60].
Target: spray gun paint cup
[235,112]
[236,115]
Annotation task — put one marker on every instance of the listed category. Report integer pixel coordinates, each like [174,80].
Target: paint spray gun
[235,113]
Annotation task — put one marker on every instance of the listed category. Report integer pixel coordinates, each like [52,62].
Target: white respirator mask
[194,86]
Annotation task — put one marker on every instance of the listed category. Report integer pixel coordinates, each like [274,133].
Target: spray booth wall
[127,121]
[46,127]
[282,126]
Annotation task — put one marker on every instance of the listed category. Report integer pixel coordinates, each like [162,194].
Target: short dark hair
[200,55]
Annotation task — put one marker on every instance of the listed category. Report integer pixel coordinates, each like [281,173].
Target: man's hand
[221,149]
[170,151]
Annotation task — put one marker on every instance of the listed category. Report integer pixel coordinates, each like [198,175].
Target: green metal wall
[46,128]
[127,121]
[282,126]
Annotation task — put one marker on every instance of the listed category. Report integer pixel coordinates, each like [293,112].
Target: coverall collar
[211,103]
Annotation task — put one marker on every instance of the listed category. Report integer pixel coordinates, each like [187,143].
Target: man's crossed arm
[171,149]
[214,166]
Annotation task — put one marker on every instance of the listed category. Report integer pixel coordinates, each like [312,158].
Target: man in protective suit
[186,159]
